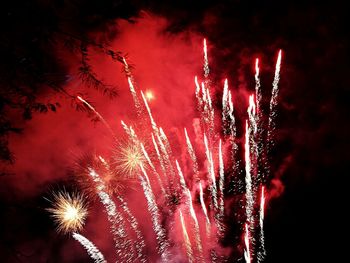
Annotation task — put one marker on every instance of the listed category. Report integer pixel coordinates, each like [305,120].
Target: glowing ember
[149,95]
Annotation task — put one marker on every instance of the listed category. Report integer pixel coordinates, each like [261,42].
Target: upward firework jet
[187,241]
[163,244]
[188,194]
[121,239]
[262,251]
[273,102]
[247,245]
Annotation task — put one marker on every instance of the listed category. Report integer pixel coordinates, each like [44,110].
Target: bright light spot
[149,95]
[69,211]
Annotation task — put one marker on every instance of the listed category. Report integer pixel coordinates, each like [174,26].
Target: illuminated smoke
[133,159]
[187,241]
[92,250]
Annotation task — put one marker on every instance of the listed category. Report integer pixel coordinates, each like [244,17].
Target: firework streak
[262,251]
[189,203]
[200,181]
[188,245]
[122,242]
[163,244]
[92,250]
[99,116]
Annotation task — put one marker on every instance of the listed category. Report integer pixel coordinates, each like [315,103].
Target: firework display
[187,195]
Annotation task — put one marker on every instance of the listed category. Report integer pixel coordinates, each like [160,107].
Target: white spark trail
[192,156]
[273,102]
[252,114]
[248,177]
[258,92]
[259,121]
[187,192]
[221,182]
[229,127]
[140,242]
[153,169]
[163,244]
[204,208]
[196,226]
[181,176]
[262,251]
[99,116]
[188,245]
[211,112]
[132,87]
[198,90]
[211,173]
[166,158]
[232,117]
[154,125]
[91,249]
[247,246]
[123,246]
[206,62]
[160,158]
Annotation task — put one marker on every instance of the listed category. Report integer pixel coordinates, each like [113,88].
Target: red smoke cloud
[165,64]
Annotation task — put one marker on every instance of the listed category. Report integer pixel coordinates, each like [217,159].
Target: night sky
[48,48]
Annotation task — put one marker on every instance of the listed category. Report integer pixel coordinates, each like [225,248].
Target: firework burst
[127,159]
[69,211]
[166,179]
[114,182]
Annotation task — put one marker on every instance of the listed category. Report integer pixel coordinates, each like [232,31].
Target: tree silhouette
[31,33]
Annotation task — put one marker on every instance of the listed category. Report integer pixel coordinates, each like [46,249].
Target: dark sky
[303,223]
